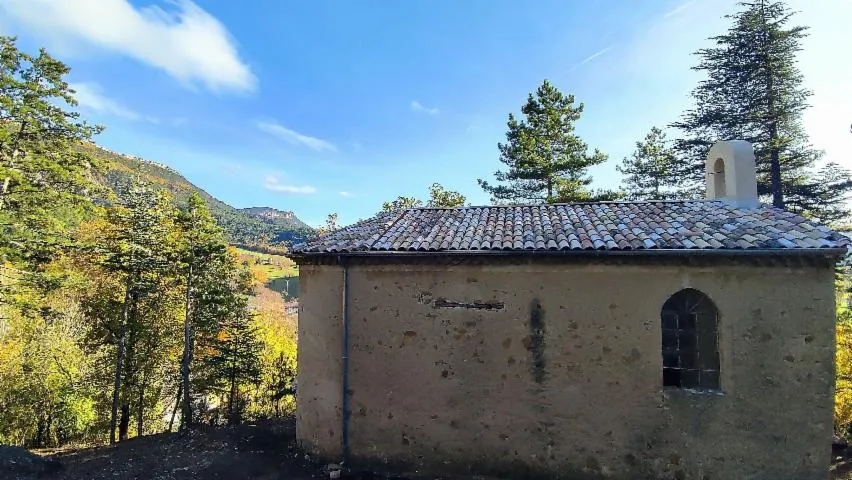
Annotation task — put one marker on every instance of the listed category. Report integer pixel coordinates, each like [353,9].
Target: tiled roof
[606,226]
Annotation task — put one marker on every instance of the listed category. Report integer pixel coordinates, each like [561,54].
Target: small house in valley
[659,339]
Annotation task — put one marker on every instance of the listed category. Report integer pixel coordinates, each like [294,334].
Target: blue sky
[333,106]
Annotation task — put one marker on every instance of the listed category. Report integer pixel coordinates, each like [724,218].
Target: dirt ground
[257,452]
[248,451]
[841,470]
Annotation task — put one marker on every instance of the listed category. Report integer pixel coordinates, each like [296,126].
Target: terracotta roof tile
[607,226]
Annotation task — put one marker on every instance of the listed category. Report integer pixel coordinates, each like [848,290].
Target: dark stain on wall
[536,341]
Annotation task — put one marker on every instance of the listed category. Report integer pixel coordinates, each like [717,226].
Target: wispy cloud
[272,184]
[418,107]
[345,194]
[679,9]
[295,138]
[90,96]
[186,42]
[591,57]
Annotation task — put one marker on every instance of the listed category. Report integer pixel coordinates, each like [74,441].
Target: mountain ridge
[248,227]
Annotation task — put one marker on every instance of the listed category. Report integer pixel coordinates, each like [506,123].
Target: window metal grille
[690,341]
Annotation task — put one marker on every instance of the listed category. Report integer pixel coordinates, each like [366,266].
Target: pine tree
[237,351]
[546,160]
[134,250]
[652,171]
[41,174]
[202,256]
[753,92]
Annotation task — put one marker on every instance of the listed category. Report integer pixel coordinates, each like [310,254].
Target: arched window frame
[689,322]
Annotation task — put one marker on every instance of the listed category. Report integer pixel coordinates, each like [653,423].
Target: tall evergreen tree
[134,250]
[652,171]
[237,350]
[203,257]
[43,179]
[546,160]
[753,91]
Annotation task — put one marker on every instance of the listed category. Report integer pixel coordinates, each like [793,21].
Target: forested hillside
[254,226]
[124,311]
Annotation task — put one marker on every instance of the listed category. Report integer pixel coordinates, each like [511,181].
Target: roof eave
[833,252]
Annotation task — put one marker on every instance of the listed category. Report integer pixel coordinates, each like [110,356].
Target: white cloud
[186,42]
[272,184]
[345,194]
[418,107]
[90,97]
[591,57]
[295,138]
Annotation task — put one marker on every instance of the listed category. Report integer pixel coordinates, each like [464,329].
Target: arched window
[690,341]
[719,178]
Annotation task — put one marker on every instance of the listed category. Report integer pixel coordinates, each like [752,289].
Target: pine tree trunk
[775,154]
[231,396]
[4,188]
[177,404]
[124,424]
[186,410]
[119,361]
[140,411]
[39,440]
[48,428]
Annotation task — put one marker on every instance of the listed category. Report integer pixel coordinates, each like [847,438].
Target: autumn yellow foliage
[843,362]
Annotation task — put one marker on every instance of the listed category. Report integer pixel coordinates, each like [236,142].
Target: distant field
[275,266]
[283,274]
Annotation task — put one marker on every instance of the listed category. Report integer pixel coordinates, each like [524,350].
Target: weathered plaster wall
[558,369]
[319,363]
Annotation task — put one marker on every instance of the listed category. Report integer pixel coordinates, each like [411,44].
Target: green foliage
[43,192]
[204,267]
[753,91]
[546,160]
[330,224]
[401,203]
[137,252]
[40,174]
[96,286]
[235,360]
[652,172]
[439,197]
